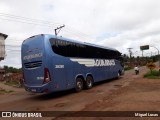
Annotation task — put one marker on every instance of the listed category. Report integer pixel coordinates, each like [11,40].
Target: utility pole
[142,53]
[58,28]
[130,54]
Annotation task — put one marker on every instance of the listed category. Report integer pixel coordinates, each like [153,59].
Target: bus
[51,63]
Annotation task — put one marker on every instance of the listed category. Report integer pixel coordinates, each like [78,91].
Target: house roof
[4,35]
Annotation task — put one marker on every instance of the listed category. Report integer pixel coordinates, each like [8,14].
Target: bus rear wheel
[118,75]
[79,85]
[89,82]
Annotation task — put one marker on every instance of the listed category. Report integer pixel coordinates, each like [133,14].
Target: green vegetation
[12,69]
[127,68]
[151,66]
[11,83]
[154,74]
[3,91]
[141,61]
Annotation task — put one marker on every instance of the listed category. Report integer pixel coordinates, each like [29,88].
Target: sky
[120,24]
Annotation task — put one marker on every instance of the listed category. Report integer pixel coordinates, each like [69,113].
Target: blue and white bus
[52,63]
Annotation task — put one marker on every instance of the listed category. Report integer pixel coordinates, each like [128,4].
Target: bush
[154,74]
[127,68]
[11,83]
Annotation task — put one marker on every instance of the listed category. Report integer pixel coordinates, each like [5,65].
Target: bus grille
[33,64]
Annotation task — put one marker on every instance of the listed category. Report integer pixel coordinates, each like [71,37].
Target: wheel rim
[118,75]
[79,84]
[89,82]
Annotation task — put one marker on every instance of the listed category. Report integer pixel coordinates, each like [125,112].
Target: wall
[2,48]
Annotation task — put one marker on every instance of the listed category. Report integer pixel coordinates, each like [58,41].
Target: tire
[79,85]
[118,75]
[89,82]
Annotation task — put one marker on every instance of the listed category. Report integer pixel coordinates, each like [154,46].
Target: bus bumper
[37,89]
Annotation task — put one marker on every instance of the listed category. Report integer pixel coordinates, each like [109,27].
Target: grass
[127,68]
[154,74]
[3,91]
[11,83]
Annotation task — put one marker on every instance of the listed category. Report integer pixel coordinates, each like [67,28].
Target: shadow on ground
[55,95]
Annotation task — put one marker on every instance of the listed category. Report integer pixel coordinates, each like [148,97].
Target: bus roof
[75,41]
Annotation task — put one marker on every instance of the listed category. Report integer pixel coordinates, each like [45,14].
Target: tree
[12,69]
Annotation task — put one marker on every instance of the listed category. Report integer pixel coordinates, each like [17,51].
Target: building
[2,46]
[2,72]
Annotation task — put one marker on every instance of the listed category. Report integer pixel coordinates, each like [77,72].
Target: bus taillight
[47,77]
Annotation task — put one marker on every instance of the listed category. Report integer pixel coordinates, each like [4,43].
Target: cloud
[4,7]
[119,24]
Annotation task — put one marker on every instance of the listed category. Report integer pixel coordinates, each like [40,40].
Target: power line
[79,32]
[12,46]
[20,40]
[40,23]
[9,50]
[28,19]
[26,22]
[73,32]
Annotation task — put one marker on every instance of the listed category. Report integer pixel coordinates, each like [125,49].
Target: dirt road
[130,93]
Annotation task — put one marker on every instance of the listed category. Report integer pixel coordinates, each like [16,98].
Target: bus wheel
[79,84]
[89,82]
[118,75]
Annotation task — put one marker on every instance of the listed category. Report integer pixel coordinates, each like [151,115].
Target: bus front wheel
[79,85]
[89,82]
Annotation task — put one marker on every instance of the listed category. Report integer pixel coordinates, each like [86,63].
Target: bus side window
[61,48]
[72,50]
[55,46]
